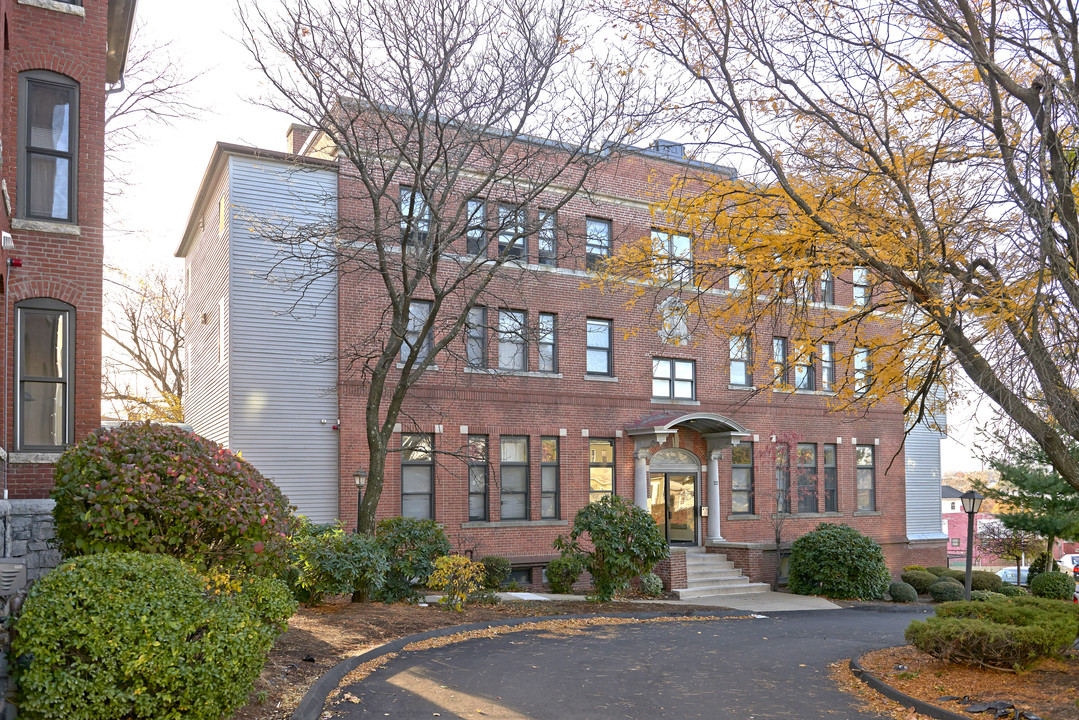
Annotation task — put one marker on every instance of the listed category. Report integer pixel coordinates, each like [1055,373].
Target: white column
[713,496]
[640,478]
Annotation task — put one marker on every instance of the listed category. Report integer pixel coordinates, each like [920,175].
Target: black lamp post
[360,477]
[972,503]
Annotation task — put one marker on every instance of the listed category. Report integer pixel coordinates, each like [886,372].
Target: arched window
[48,146]
[44,351]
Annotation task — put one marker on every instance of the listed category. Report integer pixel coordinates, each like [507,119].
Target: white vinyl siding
[921,452]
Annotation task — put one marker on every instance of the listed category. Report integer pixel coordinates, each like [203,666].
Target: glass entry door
[672,499]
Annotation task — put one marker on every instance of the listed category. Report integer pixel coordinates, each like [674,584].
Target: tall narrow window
[417,476]
[598,347]
[48,146]
[44,344]
[827,366]
[415,217]
[827,287]
[807,477]
[867,481]
[514,477]
[546,238]
[831,478]
[863,370]
[736,276]
[476,231]
[476,338]
[805,374]
[600,468]
[597,241]
[511,235]
[512,345]
[862,289]
[418,312]
[779,360]
[477,477]
[549,506]
[742,478]
[741,356]
[547,342]
[783,478]
[672,379]
[672,257]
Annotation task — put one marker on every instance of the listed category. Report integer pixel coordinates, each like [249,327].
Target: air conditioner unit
[12,576]
[8,243]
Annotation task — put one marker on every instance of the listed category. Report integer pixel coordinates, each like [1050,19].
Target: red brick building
[515,430]
[59,57]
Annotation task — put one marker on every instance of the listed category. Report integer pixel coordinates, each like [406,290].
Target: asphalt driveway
[774,666]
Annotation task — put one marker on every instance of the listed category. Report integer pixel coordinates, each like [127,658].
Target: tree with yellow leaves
[921,152]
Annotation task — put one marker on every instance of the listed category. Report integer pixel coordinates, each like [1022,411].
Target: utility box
[12,576]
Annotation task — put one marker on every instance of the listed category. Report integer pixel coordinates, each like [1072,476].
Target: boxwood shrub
[496,571]
[412,546]
[1053,585]
[114,636]
[902,592]
[651,584]
[937,570]
[946,591]
[1009,590]
[563,571]
[919,579]
[1007,634]
[984,580]
[160,489]
[960,575]
[837,561]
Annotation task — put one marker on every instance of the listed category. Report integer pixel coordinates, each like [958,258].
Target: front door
[673,501]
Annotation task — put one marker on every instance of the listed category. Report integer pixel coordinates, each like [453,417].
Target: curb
[919,706]
[311,706]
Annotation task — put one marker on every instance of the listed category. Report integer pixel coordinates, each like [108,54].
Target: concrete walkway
[749,602]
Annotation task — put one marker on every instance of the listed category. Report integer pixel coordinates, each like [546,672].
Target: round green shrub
[902,592]
[333,562]
[960,575]
[160,489]
[937,570]
[946,591]
[1009,590]
[496,571]
[837,561]
[114,636]
[919,579]
[1042,562]
[1053,585]
[909,568]
[984,580]
[948,579]
[563,571]
[412,546]
[651,584]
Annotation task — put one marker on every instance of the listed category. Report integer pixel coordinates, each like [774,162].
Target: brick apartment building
[58,58]
[514,432]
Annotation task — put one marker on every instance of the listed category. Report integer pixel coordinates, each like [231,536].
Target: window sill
[672,401]
[33,458]
[479,524]
[513,373]
[741,387]
[867,513]
[743,516]
[601,378]
[60,7]
[57,228]
[401,366]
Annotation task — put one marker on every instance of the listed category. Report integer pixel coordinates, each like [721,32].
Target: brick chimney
[296,136]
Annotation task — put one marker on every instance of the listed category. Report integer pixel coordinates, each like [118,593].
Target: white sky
[167,169]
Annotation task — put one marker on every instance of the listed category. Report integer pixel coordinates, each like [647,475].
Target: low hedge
[920,580]
[1053,585]
[1009,590]
[902,592]
[937,570]
[1004,634]
[946,591]
[984,580]
[949,580]
[960,575]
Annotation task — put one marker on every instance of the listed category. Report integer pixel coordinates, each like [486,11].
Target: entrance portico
[718,433]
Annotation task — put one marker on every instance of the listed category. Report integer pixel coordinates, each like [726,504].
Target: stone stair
[711,574]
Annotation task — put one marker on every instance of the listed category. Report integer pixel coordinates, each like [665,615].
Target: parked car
[1008,575]
[1070,564]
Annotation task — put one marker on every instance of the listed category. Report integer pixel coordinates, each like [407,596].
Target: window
[477,477]
[867,482]
[779,360]
[600,468]
[476,338]
[418,312]
[672,378]
[476,230]
[863,371]
[741,356]
[805,375]
[597,241]
[736,278]
[598,347]
[48,146]
[827,287]
[415,217]
[546,239]
[511,238]
[547,343]
[831,493]
[807,477]
[742,478]
[44,347]
[512,345]
[672,257]
[417,476]
[549,509]
[952,505]
[514,477]
[954,542]
[862,291]
[827,366]
[783,478]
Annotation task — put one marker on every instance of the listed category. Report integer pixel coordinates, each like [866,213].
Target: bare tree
[146,378]
[996,539]
[462,128]
[924,141]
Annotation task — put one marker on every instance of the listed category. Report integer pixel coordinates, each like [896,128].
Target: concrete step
[714,565]
[732,589]
[696,578]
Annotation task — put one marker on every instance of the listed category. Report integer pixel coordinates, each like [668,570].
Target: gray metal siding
[922,456]
[283,340]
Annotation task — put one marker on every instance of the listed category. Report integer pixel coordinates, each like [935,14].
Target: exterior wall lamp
[360,478]
[972,503]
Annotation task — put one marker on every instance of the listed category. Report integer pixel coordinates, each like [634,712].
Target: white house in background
[950,500]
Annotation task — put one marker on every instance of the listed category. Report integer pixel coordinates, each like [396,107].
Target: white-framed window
[48,150]
[547,239]
[863,370]
[597,241]
[418,312]
[779,360]
[827,366]
[547,342]
[512,241]
[867,480]
[598,347]
[512,340]
[417,476]
[476,230]
[476,338]
[805,374]
[44,349]
[513,477]
[674,379]
[672,257]
[415,217]
[862,291]
[827,287]
[741,355]
[737,279]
